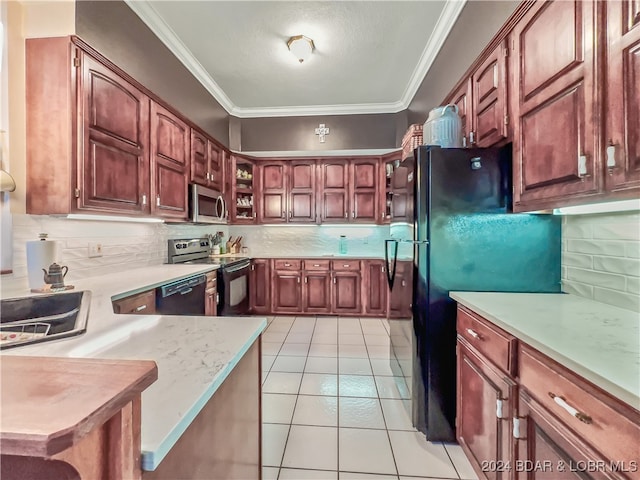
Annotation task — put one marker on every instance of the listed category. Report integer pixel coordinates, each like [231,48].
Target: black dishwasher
[184,297]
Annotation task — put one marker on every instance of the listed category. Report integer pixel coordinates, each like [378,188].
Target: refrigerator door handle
[391,270]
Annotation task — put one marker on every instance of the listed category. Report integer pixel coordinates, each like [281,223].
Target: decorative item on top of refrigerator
[443,127]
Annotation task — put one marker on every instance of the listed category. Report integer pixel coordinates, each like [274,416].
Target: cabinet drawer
[348,265]
[609,425]
[287,264]
[492,342]
[142,303]
[317,264]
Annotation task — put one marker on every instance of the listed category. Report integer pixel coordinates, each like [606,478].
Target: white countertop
[600,342]
[194,354]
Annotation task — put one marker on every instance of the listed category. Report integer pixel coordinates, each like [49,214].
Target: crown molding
[311,110]
[317,153]
[443,27]
[168,37]
[165,33]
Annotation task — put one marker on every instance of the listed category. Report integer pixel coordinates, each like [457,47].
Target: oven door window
[238,290]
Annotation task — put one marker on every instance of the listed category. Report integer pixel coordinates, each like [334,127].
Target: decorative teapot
[55,275]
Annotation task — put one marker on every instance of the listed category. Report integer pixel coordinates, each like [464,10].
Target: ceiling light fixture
[301,47]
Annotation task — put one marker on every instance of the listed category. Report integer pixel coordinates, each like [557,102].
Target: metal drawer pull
[583,417]
[316,264]
[473,333]
[346,265]
[287,264]
[140,308]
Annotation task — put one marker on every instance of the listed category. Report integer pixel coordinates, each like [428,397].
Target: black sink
[28,320]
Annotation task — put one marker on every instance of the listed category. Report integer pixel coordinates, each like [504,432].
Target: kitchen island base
[224,440]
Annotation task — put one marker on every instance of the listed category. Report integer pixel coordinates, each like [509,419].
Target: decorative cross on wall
[321,131]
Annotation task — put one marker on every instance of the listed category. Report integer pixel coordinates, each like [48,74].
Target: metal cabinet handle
[582,167]
[334,279]
[158,200]
[473,333]
[471,138]
[316,264]
[140,308]
[207,176]
[464,141]
[583,417]
[346,214]
[611,157]
[287,264]
[254,214]
[306,280]
[353,214]
[211,176]
[253,267]
[345,265]
[144,199]
[298,279]
[382,215]
[382,269]
[290,214]
[284,214]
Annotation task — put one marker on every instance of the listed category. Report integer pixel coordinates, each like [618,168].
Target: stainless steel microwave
[206,205]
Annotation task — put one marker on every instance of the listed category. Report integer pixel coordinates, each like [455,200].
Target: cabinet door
[316,292]
[259,282]
[273,188]
[217,158]
[375,288]
[554,147]
[490,99]
[199,158]
[287,291]
[462,99]
[170,138]
[623,102]
[302,191]
[400,298]
[346,295]
[543,440]
[210,302]
[485,406]
[115,164]
[335,192]
[364,184]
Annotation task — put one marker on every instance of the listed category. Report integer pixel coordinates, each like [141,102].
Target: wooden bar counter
[70,418]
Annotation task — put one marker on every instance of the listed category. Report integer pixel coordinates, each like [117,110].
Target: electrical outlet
[95,250]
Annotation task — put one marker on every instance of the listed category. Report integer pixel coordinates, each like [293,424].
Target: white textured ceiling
[370,56]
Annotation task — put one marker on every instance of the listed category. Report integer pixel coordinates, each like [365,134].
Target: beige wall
[27,19]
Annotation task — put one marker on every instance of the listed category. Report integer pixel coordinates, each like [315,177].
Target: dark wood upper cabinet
[218,158]
[273,191]
[302,196]
[365,190]
[335,191]
[115,129]
[556,135]
[622,140]
[462,99]
[489,113]
[170,139]
[199,158]
[287,191]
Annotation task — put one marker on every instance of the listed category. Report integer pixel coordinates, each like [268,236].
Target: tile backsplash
[365,240]
[601,258]
[125,245]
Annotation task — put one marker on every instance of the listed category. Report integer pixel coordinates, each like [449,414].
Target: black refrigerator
[452,230]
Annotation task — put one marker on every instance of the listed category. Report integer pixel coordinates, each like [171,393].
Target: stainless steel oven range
[233,274]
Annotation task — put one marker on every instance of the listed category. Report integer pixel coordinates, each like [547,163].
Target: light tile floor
[333,409]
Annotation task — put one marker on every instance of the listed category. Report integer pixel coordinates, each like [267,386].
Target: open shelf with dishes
[244,192]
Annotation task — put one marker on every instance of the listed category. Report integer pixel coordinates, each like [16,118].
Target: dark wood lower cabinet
[375,288]
[287,291]
[548,450]
[485,409]
[346,292]
[259,286]
[316,292]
